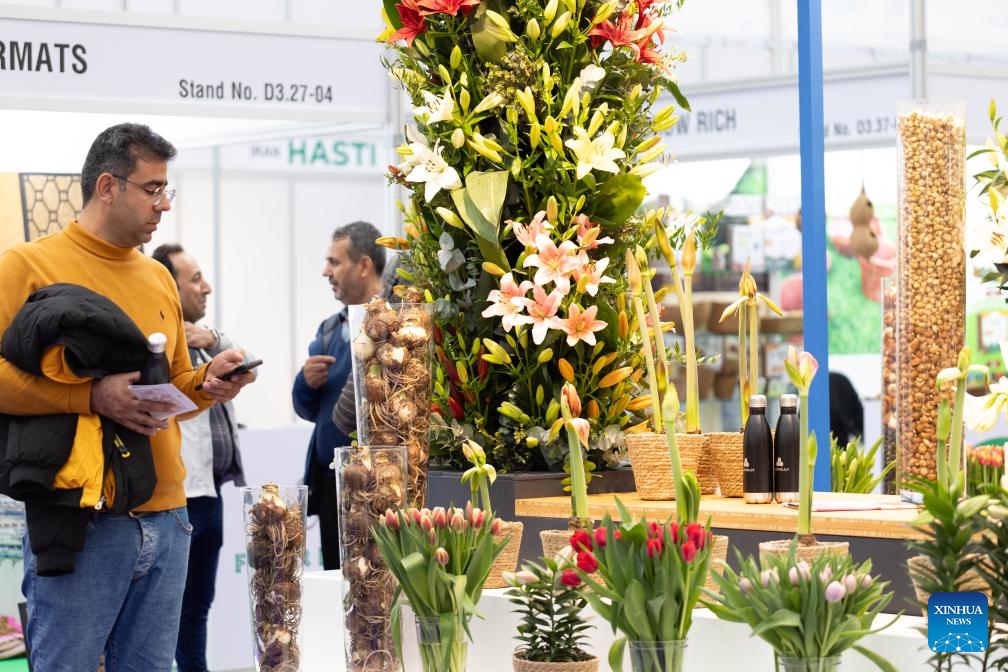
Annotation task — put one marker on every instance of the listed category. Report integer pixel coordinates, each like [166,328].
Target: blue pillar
[813,199]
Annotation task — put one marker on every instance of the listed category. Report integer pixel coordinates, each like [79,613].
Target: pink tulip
[850,582]
[440,517]
[496,526]
[835,592]
[525,577]
[457,523]
[441,556]
[745,585]
[391,519]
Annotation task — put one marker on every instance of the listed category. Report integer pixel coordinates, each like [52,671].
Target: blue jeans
[123,597]
[206,514]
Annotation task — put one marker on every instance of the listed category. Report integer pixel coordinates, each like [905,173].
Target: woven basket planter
[725,448]
[920,568]
[651,464]
[782,547]
[521,665]
[507,561]
[554,541]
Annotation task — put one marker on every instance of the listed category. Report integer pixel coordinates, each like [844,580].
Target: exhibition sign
[120,66]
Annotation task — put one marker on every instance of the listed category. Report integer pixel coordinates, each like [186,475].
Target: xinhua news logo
[957,622]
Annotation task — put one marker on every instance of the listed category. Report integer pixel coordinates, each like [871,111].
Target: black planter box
[446,488]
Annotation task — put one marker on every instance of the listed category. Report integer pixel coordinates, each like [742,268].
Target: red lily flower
[412,22]
[449,7]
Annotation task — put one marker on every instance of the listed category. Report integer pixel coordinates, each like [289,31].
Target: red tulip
[689,551]
[674,530]
[570,578]
[587,562]
[600,537]
[655,546]
[695,533]
[581,541]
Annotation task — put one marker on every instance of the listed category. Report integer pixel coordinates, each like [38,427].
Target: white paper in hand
[164,393]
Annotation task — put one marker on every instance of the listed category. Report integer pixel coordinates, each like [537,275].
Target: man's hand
[226,390]
[198,337]
[316,370]
[111,397]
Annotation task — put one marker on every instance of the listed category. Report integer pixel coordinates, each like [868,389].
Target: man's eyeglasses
[158,194]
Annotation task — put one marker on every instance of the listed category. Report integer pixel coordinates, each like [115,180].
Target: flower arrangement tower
[534,125]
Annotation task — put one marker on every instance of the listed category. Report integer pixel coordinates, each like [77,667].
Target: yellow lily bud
[463,374]
[411,231]
[516,167]
[496,350]
[570,101]
[458,138]
[534,134]
[551,209]
[464,100]
[561,25]
[483,150]
[566,370]
[490,101]
[489,143]
[633,274]
[547,78]
[604,12]
[663,243]
[556,142]
[545,356]
[645,170]
[623,325]
[445,75]
[550,125]
[450,218]
[550,11]
[640,403]
[596,121]
[652,154]
[647,144]
[456,57]
[552,411]
[689,253]
[593,409]
[532,29]
[493,269]
[421,47]
[661,127]
[527,102]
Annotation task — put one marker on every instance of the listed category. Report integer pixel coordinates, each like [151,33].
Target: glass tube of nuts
[931,295]
[890,381]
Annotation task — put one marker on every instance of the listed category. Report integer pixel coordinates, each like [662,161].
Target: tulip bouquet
[984,468]
[809,612]
[535,122]
[652,575]
[441,559]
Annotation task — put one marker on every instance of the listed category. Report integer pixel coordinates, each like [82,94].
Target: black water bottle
[155,370]
[787,442]
[757,455]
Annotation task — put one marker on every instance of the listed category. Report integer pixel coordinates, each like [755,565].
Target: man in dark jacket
[353,268]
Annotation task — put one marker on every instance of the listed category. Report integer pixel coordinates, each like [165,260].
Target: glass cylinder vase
[369,480]
[275,517]
[930,324]
[660,656]
[392,350]
[441,642]
[789,664]
[890,381]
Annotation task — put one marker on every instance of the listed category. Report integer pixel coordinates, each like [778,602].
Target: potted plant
[480,477]
[650,577]
[947,556]
[801,369]
[552,631]
[810,612]
[534,126]
[441,559]
[727,446]
[852,468]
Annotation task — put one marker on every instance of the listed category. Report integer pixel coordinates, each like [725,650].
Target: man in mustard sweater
[124,596]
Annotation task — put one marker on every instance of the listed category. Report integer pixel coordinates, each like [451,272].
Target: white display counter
[713,644]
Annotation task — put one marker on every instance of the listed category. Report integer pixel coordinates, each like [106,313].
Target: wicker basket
[651,464]
[507,561]
[522,665]
[706,467]
[725,448]
[782,547]
[554,541]
[919,566]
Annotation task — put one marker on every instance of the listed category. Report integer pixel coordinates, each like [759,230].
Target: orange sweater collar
[96,245]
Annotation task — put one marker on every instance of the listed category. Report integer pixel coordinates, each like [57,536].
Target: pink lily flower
[592,276]
[801,368]
[587,234]
[526,235]
[581,325]
[553,264]
[508,301]
[542,310]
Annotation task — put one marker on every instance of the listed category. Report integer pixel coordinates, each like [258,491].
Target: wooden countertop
[732,513]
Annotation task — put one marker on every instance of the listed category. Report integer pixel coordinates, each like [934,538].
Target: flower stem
[955,440]
[579,487]
[753,346]
[485,492]
[804,472]
[743,354]
[656,408]
[692,387]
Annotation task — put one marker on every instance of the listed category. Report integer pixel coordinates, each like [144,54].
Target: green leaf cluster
[852,468]
[784,602]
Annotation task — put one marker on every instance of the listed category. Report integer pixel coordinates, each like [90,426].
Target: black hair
[116,150]
[164,253]
[362,237]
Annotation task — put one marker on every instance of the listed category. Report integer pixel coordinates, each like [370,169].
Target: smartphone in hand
[240,369]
